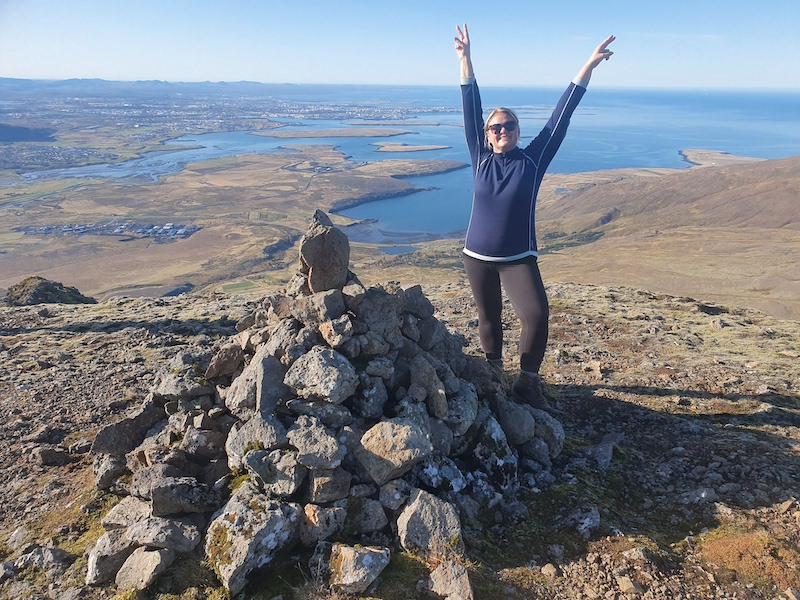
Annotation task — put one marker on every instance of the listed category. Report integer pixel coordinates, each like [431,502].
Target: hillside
[677,479]
[729,233]
[759,194]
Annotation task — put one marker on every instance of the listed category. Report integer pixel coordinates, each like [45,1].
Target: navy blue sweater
[502,225]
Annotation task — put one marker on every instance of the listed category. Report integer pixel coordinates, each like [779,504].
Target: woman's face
[504,140]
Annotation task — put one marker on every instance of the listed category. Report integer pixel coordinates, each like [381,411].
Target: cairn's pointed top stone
[320,218]
[324,255]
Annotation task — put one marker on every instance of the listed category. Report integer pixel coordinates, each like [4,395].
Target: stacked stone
[356,418]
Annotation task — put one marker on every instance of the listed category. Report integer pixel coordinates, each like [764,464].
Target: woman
[500,245]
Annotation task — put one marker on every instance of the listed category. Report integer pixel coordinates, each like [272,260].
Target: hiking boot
[496,368]
[528,390]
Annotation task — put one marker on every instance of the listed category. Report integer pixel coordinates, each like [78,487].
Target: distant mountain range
[9,87]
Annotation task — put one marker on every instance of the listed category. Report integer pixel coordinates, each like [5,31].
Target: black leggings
[523,285]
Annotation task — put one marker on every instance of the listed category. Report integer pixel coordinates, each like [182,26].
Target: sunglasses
[509,126]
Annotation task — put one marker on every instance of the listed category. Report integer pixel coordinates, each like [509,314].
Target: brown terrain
[725,230]
[682,424]
[674,345]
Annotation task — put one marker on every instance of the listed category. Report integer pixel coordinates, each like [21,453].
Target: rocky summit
[347,428]
[38,290]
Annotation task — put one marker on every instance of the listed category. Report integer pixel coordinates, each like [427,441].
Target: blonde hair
[499,109]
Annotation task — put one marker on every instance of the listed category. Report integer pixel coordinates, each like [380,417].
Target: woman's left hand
[601,53]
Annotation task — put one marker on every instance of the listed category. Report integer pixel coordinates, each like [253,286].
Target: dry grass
[754,557]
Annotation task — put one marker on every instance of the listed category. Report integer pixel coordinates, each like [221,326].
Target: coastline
[370,231]
[711,158]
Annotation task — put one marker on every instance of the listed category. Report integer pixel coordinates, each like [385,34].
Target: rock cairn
[341,419]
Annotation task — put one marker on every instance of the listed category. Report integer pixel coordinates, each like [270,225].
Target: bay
[610,129]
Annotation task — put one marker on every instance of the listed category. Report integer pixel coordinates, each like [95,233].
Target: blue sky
[705,44]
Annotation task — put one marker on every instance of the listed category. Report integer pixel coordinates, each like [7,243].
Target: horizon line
[786,89]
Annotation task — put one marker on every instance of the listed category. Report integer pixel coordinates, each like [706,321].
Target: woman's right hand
[462,42]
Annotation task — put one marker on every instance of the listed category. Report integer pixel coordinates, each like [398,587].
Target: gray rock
[144,480]
[431,333]
[462,409]
[381,366]
[317,448]
[423,374]
[124,435]
[409,328]
[395,493]
[440,473]
[441,437]
[372,397]
[17,538]
[50,457]
[106,468]
[496,457]
[517,422]
[319,523]
[54,560]
[180,495]
[604,451]
[353,292]
[125,513]
[538,450]
[372,344]
[321,308]
[416,303]
[164,454]
[247,533]
[430,525]
[391,448]
[180,535]
[353,570]
[109,553]
[380,312]
[226,361]
[322,373]
[142,568]
[259,432]
[332,415]
[182,379]
[549,429]
[450,580]
[364,515]
[241,396]
[324,254]
[282,337]
[270,389]
[278,473]
[202,445]
[328,485]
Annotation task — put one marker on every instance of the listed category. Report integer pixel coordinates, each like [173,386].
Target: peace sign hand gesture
[462,42]
[462,49]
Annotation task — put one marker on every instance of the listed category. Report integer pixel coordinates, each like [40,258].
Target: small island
[399,147]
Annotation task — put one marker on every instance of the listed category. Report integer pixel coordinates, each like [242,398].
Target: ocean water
[610,129]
